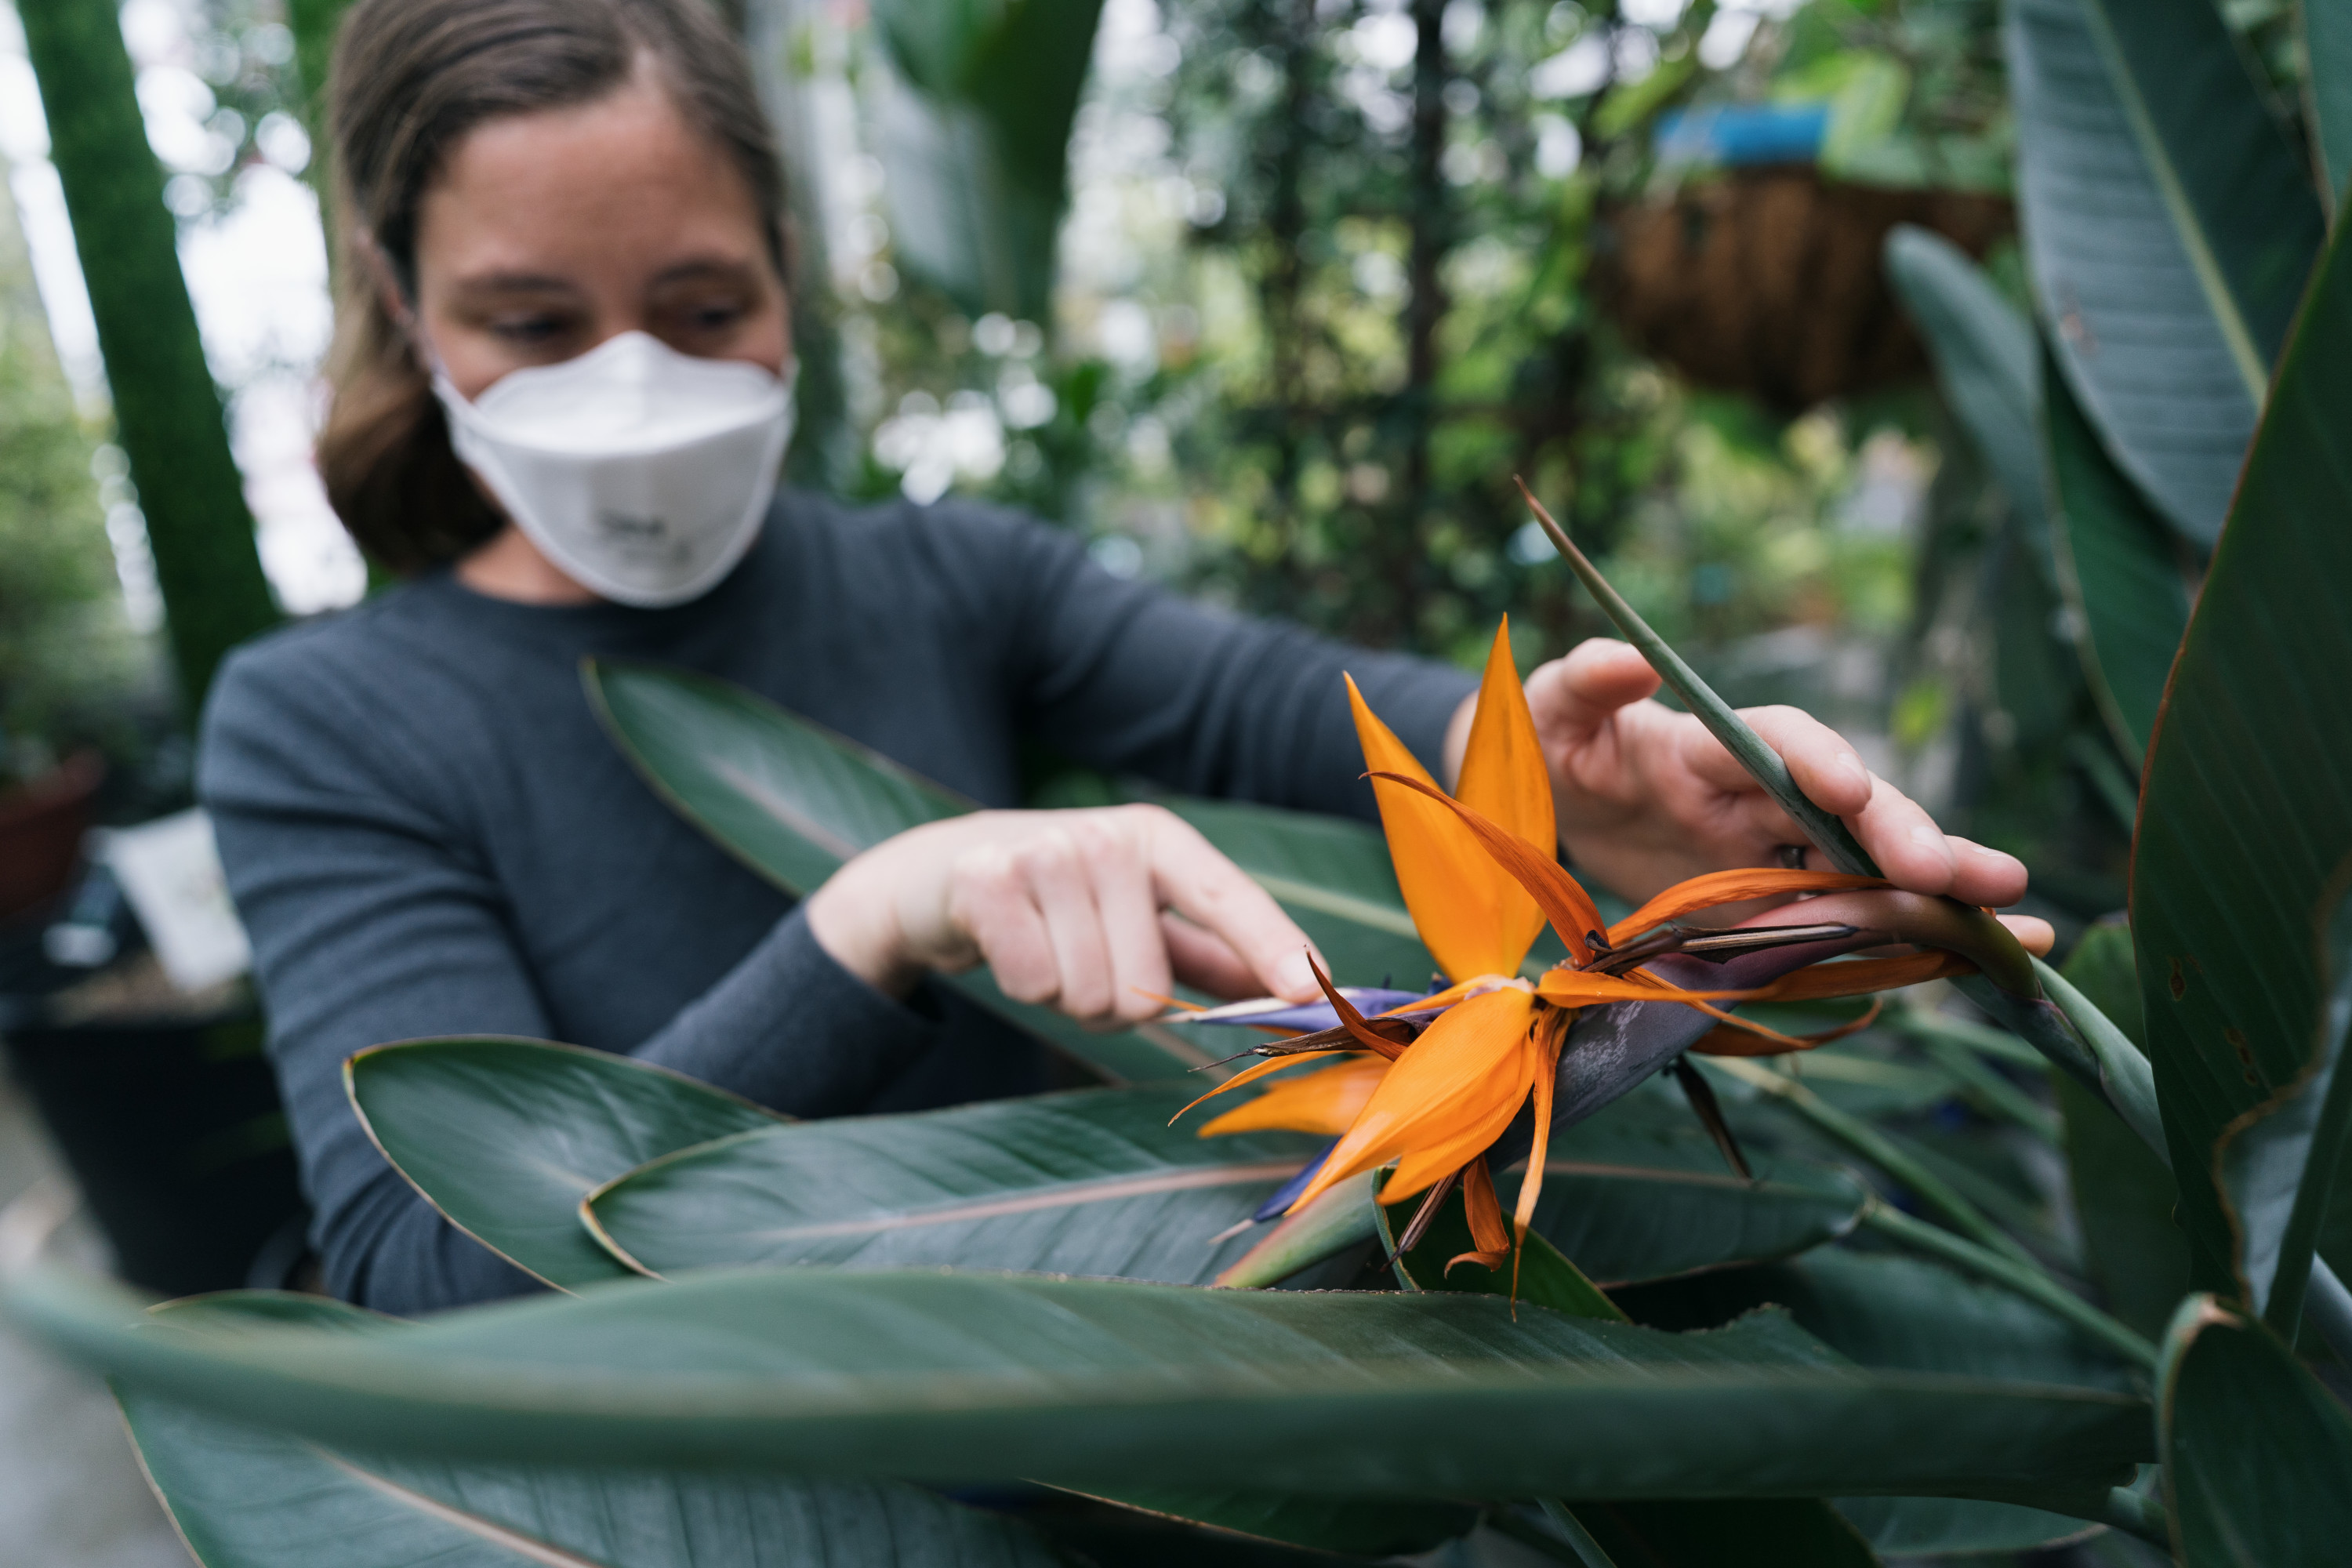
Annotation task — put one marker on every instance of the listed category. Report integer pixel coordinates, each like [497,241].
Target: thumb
[1574,698]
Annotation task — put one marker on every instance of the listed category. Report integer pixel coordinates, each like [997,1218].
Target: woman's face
[548,233]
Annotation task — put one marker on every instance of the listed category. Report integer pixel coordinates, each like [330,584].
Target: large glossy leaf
[2258,1455]
[1094,1183]
[1744,1532]
[2166,324]
[948,1376]
[505,1136]
[1986,362]
[2123,1197]
[2240,191]
[2328,50]
[2245,828]
[246,1497]
[976,137]
[2281,1163]
[793,801]
[2120,571]
[1098,1182]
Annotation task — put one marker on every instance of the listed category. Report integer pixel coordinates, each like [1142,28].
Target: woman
[560,396]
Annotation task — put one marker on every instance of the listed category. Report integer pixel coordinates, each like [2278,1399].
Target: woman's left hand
[1645,796]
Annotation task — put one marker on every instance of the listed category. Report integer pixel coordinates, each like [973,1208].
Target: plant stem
[1920,1023]
[1876,1147]
[2138,1515]
[1580,1540]
[2029,1282]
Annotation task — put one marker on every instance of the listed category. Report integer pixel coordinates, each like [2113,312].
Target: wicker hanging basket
[1767,281]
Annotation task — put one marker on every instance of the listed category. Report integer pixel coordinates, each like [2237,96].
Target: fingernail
[1929,838]
[1852,765]
[1297,977]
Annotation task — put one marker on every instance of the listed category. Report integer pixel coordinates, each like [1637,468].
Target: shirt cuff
[790,1029]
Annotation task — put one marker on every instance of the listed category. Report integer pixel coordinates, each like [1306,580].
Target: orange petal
[1464,905]
[1549,1032]
[1324,1101]
[1581,988]
[1733,887]
[1256,1070]
[1504,778]
[1563,901]
[1490,1240]
[1454,1092]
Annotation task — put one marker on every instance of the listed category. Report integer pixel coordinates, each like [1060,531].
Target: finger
[1190,876]
[1982,876]
[1203,961]
[1129,913]
[988,901]
[2033,935]
[1572,698]
[1910,849]
[1826,769]
[1062,886]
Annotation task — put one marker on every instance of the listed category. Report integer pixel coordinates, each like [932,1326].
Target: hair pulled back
[410,79]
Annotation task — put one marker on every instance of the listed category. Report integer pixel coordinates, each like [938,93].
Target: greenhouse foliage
[990,1333]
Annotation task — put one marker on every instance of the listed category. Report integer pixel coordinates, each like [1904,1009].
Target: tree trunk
[167,411]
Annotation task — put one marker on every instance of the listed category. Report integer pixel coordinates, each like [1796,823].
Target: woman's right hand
[1097,912]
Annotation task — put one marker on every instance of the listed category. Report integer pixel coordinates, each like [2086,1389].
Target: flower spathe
[1480,878]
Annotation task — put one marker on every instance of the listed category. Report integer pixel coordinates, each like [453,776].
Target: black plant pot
[173,1129]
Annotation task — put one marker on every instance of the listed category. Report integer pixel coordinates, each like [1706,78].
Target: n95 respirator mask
[641,472]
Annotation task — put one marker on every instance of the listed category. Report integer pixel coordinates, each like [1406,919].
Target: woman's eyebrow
[700,267]
[516,283]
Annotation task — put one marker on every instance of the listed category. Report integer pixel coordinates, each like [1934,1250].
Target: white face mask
[641,472]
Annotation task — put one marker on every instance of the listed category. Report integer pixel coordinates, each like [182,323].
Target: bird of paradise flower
[1431,1083]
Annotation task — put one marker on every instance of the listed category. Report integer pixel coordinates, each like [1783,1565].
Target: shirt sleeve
[1129,677]
[372,921]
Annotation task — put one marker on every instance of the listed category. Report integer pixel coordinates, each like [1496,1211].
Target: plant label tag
[172,874]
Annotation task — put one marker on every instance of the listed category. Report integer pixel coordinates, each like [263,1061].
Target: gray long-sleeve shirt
[427,833]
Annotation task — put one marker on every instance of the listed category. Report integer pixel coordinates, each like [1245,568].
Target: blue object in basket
[1731,135]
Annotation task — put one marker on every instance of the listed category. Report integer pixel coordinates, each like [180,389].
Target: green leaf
[1951,1527]
[2245,833]
[1093,1182]
[975,129]
[1331,875]
[1985,359]
[2169,229]
[2124,1196]
[2120,573]
[245,1497]
[2280,1162]
[2328,50]
[1089,1385]
[2257,1454]
[1098,1182]
[505,1137]
[793,800]
[1787,1533]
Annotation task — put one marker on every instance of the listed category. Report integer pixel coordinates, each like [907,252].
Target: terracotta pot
[41,829]
[1767,280]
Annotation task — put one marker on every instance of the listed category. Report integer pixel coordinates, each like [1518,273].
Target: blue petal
[1272,1208]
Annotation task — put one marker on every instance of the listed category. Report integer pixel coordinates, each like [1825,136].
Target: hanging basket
[1767,280]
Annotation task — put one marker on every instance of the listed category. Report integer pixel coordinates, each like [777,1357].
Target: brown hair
[410,78]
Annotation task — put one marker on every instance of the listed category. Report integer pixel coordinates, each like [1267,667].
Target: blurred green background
[1270,300]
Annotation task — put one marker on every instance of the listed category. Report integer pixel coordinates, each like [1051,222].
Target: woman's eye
[527,329]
